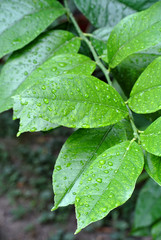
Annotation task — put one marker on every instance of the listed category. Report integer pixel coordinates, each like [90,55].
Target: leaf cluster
[48,83]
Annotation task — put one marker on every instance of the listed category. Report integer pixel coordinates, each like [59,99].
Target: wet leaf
[151,138]
[62,91]
[108,183]
[107,12]
[79,151]
[132,67]
[153,167]
[23,21]
[145,95]
[135,33]
[148,207]
[23,62]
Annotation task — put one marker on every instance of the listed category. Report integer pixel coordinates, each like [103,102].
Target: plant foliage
[48,83]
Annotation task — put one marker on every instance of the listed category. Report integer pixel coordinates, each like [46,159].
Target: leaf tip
[77,231]
[54,208]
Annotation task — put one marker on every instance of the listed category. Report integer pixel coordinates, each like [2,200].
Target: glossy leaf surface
[108,183]
[153,167]
[145,96]
[135,33]
[148,207]
[33,120]
[107,12]
[132,67]
[151,138]
[22,63]
[22,21]
[79,151]
[59,93]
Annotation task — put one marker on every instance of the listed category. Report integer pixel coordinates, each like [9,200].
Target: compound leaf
[135,33]
[148,207]
[153,167]
[59,93]
[23,62]
[18,28]
[108,182]
[151,138]
[145,95]
[79,151]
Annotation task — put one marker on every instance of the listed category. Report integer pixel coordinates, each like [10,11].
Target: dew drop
[46,100]
[99,180]
[58,168]
[110,163]
[102,162]
[104,154]
[104,209]
[43,87]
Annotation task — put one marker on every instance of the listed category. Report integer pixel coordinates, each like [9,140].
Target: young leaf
[79,151]
[108,183]
[135,33]
[151,138]
[18,28]
[145,95]
[148,207]
[23,62]
[153,167]
[58,92]
[109,12]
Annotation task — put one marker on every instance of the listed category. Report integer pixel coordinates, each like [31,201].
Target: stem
[95,56]
[84,36]
[136,135]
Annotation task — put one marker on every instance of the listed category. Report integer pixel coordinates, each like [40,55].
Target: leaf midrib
[77,101]
[104,190]
[145,90]
[120,48]
[26,15]
[87,164]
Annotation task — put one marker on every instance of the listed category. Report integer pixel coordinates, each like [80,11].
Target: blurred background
[26,194]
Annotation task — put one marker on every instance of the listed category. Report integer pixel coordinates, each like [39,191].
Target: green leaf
[79,151]
[110,12]
[148,207]
[59,93]
[151,138]
[108,183]
[23,62]
[153,167]
[145,95]
[99,40]
[156,231]
[135,33]
[129,70]
[22,21]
